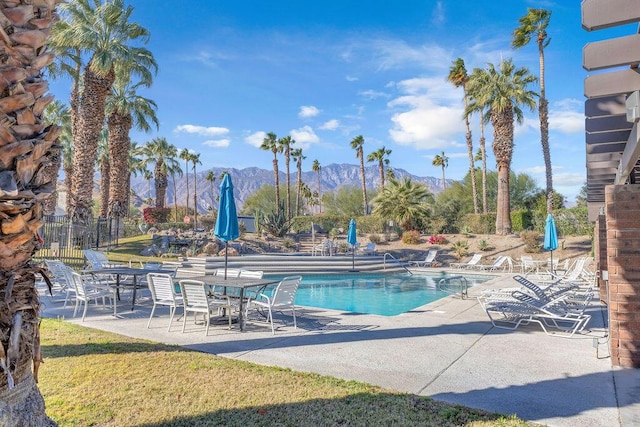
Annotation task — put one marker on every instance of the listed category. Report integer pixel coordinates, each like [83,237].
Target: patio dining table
[126,271]
[240,283]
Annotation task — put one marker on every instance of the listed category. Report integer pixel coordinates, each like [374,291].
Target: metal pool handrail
[397,261]
[462,287]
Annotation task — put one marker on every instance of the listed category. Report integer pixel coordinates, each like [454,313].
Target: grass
[130,248]
[96,378]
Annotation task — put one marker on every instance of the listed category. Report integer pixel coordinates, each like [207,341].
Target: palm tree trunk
[503,150]
[298,188]
[195,196]
[24,158]
[276,179]
[175,196]
[543,109]
[381,169]
[444,181]
[51,172]
[161,186]
[105,168]
[287,160]
[85,144]
[119,143]
[472,168]
[483,153]
[186,170]
[364,184]
[68,179]
[319,194]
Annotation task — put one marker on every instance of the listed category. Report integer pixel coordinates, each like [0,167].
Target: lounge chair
[369,249]
[500,263]
[475,259]
[428,260]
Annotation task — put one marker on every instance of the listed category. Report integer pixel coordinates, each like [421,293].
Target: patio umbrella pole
[226,257]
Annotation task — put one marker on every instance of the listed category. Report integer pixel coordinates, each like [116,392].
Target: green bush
[366,224]
[460,248]
[521,220]
[375,238]
[411,237]
[480,223]
[531,241]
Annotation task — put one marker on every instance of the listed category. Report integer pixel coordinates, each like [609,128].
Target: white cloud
[430,116]
[305,136]
[201,130]
[351,79]
[308,111]
[256,138]
[567,116]
[373,94]
[219,143]
[568,179]
[330,125]
[437,15]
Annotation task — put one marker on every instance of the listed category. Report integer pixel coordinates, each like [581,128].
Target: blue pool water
[381,294]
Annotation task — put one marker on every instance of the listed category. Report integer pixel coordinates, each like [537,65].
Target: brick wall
[622,203]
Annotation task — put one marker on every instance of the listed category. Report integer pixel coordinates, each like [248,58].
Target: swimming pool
[381,294]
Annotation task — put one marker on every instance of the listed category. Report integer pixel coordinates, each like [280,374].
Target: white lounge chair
[475,259]
[369,249]
[282,299]
[500,263]
[428,260]
[163,293]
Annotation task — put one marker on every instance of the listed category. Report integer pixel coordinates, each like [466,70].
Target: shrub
[411,237]
[288,243]
[481,223]
[375,238]
[155,215]
[437,239]
[483,245]
[521,220]
[531,241]
[460,248]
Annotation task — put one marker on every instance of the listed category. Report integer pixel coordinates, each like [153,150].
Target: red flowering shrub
[155,215]
[437,239]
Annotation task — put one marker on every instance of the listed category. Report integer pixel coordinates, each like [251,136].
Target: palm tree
[148,176]
[211,177]
[442,161]
[103,31]
[317,168]
[24,184]
[503,91]
[404,202]
[380,156]
[298,157]
[459,77]
[163,155]
[535,22]
[135,165]
[56,113]
[104,163]
[195,159]
[270,143]
[177,170]
[285,146]
[357,144]
[124,109]
[185,155]
[477,107]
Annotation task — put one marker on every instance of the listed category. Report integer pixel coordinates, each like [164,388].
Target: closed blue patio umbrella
[352,240]
[550,236]
[227,220]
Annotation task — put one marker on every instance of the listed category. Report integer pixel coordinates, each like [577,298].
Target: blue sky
[327,71]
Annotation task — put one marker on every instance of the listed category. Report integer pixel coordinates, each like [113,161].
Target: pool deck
[447,350]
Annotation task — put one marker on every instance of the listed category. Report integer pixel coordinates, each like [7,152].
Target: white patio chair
[500,263]
[163,293]
[282,299]
[62,277]
[475,259]
[196,300]
[428,260]
[85,293]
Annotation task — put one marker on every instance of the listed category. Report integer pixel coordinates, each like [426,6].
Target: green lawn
[95,378]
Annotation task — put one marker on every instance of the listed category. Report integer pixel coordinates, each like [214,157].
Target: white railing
[394,259]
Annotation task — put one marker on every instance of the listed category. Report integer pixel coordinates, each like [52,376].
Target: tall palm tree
[56,113]
[380,156]
[535,23]
[459,78]
[104,164]
[162,155]
[298,157]
[317,168]
[442,161]
[26,150]
[104,32]
[195,159]
[270,143]
[211,177]
[124,109]
[185,155]
[135,165]
[285,146]
[503,91]
[148,176]
[404,202]
[177,170]
[357,144]
[481,110]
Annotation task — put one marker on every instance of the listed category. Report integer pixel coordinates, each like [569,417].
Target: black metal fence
[65,240]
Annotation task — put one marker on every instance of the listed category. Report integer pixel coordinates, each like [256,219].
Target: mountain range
[246,181]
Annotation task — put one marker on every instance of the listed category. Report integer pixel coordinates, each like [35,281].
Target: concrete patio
[447,350]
